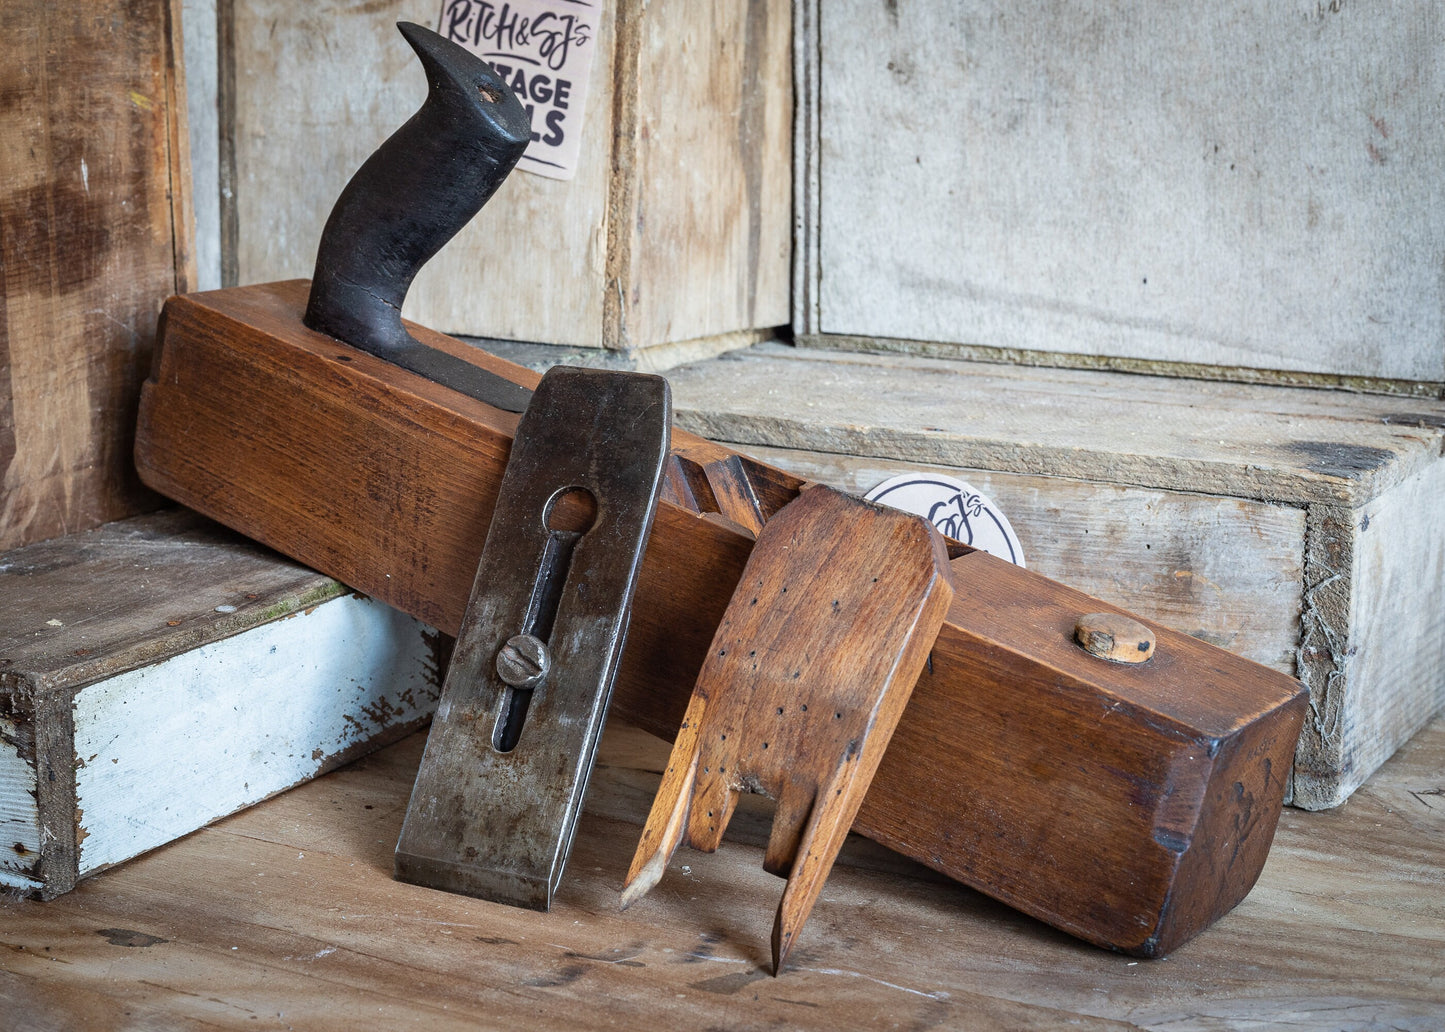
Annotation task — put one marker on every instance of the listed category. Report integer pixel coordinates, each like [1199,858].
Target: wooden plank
[683,175]
[705,245]
[158,673]
[807,172]
[1290,446]
[385,480]
[94,224]
[1249,188]
[1373,642]
[198,18]
[78,609]
[294,698]
[1225,570]
[287,915]
[20,820]
[1399,578]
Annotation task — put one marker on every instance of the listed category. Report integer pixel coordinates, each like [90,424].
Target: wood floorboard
[285,916]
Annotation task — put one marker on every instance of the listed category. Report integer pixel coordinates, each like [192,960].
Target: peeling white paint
[171,747]
[19,814]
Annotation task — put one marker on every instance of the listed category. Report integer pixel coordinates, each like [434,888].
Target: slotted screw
[523,661]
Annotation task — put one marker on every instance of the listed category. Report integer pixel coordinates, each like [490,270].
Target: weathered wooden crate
[675,232]
[1297,527]
[160,672]
[1247,190]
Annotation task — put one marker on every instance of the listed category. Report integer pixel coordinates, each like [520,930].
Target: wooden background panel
[93,236]
[1244,183]
[1221,569]
[710,243]
[317,87]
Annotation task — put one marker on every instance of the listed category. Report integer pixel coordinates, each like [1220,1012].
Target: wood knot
[1114,637]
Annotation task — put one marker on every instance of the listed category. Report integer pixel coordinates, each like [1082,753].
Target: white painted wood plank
[1225,570]
[19,812]
[167,748]
[1247,183]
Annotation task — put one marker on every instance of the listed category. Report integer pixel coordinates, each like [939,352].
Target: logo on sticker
[956,508]
[542,49]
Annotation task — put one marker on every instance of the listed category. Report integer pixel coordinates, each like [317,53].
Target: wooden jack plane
[1130,804]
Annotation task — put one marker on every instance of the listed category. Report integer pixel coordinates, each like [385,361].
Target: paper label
[543,50]
[956,508]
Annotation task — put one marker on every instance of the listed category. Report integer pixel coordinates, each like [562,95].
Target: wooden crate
[1296,527]
[1251,191]
[160,672]
[94,230]
[676,228]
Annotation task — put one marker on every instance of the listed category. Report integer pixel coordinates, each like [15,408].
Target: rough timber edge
[807,171]
[1317,781]
[655,359]
[54,869]
[1429,389]
[19,809]
[622,182]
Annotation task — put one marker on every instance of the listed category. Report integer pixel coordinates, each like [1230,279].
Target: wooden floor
[286,916]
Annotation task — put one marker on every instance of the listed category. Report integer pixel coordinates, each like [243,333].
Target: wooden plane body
[1129,805]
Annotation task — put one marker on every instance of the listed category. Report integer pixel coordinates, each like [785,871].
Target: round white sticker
[956,508]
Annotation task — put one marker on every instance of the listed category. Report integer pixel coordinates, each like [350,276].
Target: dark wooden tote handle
[420,187]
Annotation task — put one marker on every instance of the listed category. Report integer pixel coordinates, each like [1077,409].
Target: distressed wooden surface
[167,748]
[88,606]
[1374,643]
[198,20]
[683,175]
[1399,573]
[385,480]
[705,245]
[1282,445]
[1225,570]
[1246,185]
[286,916]
[94,224]
[160,672]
